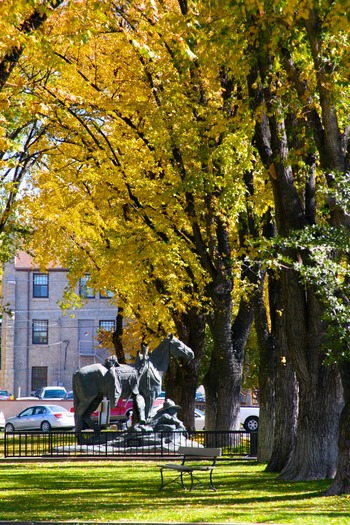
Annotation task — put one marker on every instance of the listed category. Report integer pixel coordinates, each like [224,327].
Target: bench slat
[198,451]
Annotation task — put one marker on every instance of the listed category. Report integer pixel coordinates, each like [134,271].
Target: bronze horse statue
[142,382]
[91,384]
[152,369]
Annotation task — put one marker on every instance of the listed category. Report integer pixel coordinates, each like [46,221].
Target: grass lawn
[129,491]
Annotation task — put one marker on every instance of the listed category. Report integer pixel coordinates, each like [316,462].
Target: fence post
[253,450]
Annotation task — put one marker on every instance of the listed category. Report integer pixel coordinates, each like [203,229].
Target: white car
[249,418]
[199,419]
[2,420]
[41,417]
[52,392]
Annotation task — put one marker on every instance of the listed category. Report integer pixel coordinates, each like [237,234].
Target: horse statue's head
[179,349]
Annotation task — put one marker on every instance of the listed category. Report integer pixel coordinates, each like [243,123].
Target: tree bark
[223,380]
[191,330]
[117,337]
[341,482]
[314,455]
[286,388]
[266,376]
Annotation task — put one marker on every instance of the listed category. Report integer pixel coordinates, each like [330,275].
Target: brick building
[39,345]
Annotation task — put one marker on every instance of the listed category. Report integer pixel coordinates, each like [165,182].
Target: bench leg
[211,481]
[200,482]
[178,479]
[195,481]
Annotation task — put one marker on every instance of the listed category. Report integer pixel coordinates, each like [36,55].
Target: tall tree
[157,147]
[281,120]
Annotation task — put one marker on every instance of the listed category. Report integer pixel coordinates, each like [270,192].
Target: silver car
[42,417]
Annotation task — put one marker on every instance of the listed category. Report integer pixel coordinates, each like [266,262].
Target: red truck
[120,413]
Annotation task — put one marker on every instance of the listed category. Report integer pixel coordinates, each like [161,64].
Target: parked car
[200,398]
[121,412]
[2,420]
[43,417]
[158,403]
[69,396]
[4,395]
[199,419]
[249,418]
[52,392]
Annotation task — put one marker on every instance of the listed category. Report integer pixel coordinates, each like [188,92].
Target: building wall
[71,341]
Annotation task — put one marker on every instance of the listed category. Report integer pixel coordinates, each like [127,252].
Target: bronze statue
[142,382]
[153,368]
[166,418]
[90,385]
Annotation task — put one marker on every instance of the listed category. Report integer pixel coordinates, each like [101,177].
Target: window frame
[40,286]
[85,291]
[109,321]
[43,339]
[39,377]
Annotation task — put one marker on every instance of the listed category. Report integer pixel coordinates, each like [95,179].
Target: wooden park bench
[195,459]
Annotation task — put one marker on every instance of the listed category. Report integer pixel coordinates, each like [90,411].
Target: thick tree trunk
[191,330]
[286,392]
[341,483]
[223,379]
[286,406]
[266,377]
[320,394]
[315,453]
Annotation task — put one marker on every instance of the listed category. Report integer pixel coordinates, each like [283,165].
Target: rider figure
[143,355]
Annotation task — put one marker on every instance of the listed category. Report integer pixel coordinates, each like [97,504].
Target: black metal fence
[118,443]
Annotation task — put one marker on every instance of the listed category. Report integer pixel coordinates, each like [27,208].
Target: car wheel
[251,424]
[9,427]
[45,426]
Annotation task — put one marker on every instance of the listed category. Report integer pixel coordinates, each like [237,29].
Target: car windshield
[54,393]
[4,393]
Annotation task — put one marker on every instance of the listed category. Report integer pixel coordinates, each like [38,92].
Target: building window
[39,377]
[84,289]
[40,285]
[107,326]
[40,332]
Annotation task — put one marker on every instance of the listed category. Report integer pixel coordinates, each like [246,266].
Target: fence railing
[118,443]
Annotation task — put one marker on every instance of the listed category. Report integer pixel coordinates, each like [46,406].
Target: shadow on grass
[115,491]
